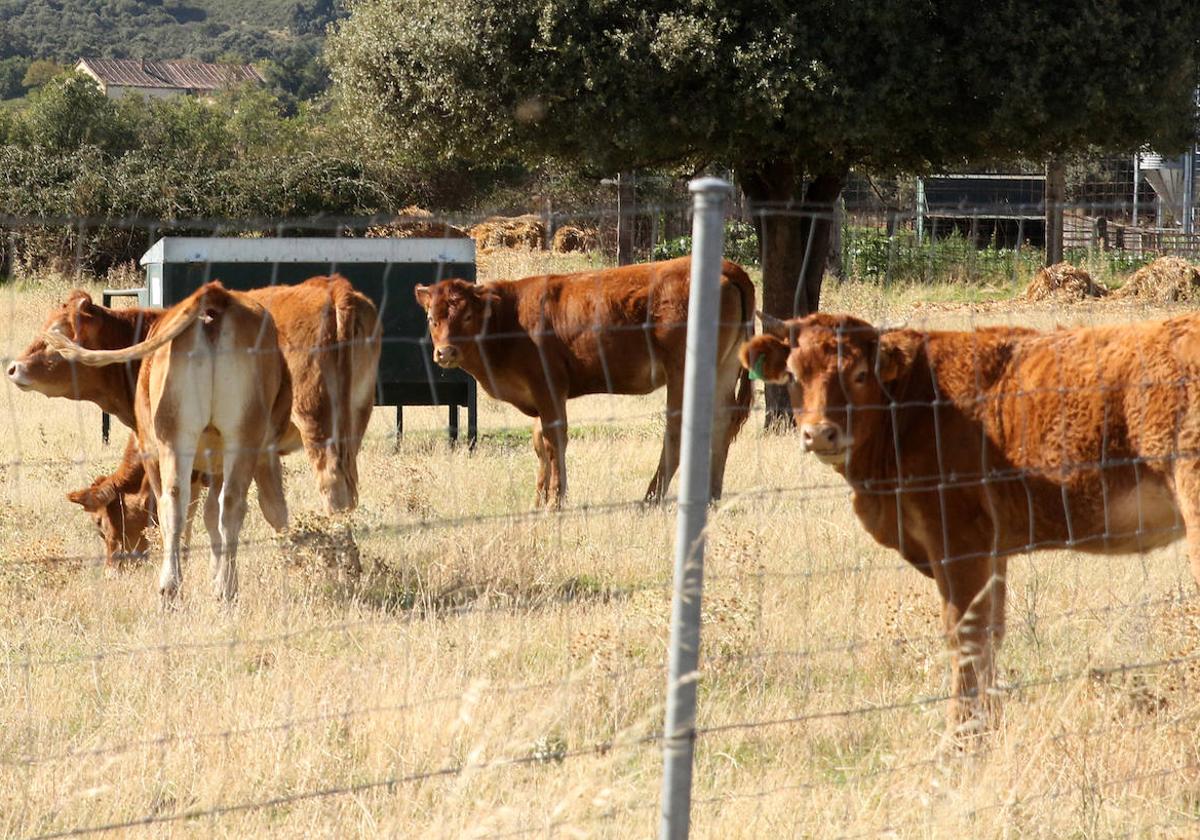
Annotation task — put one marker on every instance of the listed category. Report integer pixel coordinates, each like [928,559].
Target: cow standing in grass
[965,448]
[329,335]
[213,394]
[539,341]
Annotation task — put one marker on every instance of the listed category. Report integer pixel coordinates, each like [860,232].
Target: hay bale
[1166,280]
[571,238]
[521,232]
[415,223]
[1063,282]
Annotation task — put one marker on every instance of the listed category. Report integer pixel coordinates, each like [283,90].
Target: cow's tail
[744,395]
[356,341]
[169,327]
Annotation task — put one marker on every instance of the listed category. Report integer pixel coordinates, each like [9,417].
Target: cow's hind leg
[268,477]
[324,453]
[1187,494]
[724,407]
[543,469]
[175,472]
[668,460]
[212,524]
[239,467]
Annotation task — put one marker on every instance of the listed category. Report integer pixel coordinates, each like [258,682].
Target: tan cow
[965,448]
[329,334]
[213,394]
[539,341]
[330,338]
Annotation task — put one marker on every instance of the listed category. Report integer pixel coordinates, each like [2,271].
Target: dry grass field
[500,672]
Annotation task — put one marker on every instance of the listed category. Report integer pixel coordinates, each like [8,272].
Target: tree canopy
[884,84]
[791,95]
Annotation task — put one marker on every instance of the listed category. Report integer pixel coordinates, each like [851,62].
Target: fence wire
[455,659]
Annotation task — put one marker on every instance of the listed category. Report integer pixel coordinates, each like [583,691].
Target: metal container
[385,270]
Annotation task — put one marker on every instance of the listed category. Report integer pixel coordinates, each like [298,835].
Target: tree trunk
[1056,196]
[626,208]
[792,214]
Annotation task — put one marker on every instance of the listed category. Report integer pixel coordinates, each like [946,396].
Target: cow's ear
[897,349]
[486,295]
[90,499]
[765,356]
[424,295]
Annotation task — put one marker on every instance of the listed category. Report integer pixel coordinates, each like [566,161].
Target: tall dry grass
[500,670]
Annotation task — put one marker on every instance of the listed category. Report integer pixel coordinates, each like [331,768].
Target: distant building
[119,77]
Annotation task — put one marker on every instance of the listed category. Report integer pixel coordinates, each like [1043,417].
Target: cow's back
[1060,438]
[611,330]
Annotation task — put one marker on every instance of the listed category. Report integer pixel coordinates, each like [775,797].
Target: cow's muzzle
[825,440]
[447,356]
[18,376]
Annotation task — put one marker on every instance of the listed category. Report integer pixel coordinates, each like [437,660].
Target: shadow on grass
[391,589]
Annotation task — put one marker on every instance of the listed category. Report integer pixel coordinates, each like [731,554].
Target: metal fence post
[708,233]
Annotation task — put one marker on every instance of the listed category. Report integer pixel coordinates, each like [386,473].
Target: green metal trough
[385,270]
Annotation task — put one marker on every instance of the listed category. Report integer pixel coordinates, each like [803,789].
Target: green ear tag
[756,372]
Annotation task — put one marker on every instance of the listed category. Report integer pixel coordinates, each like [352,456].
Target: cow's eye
[860,378]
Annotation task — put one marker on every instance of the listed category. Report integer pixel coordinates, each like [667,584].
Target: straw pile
[525,232]
[1063,282]
[416,223]
[1166,280]
[570,238]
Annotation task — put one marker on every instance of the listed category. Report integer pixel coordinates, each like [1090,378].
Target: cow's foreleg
[175,473]
[724,406]
[550,443]
[668,460]
[973,594]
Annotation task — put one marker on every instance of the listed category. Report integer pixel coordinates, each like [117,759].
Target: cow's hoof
[966,734]
[224,593]
[168,587]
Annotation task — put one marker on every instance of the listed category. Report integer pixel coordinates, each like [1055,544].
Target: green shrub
[870,254]
[741,244]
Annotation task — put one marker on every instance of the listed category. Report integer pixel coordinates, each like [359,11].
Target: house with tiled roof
[119,77]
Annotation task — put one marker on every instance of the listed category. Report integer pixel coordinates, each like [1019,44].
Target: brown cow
[122,506]
[213,393]
[330,338]
[539,341]
[964,448]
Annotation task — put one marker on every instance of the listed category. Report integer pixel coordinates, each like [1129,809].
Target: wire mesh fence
[496,667]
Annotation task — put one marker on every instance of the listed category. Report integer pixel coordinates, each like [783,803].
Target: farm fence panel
[452,659]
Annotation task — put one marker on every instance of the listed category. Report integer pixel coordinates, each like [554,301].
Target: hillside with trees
[284,36]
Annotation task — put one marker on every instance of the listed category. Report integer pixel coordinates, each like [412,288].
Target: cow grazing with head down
[539,341]
[329,335]
[122,506]
[965,448]
[213,393]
